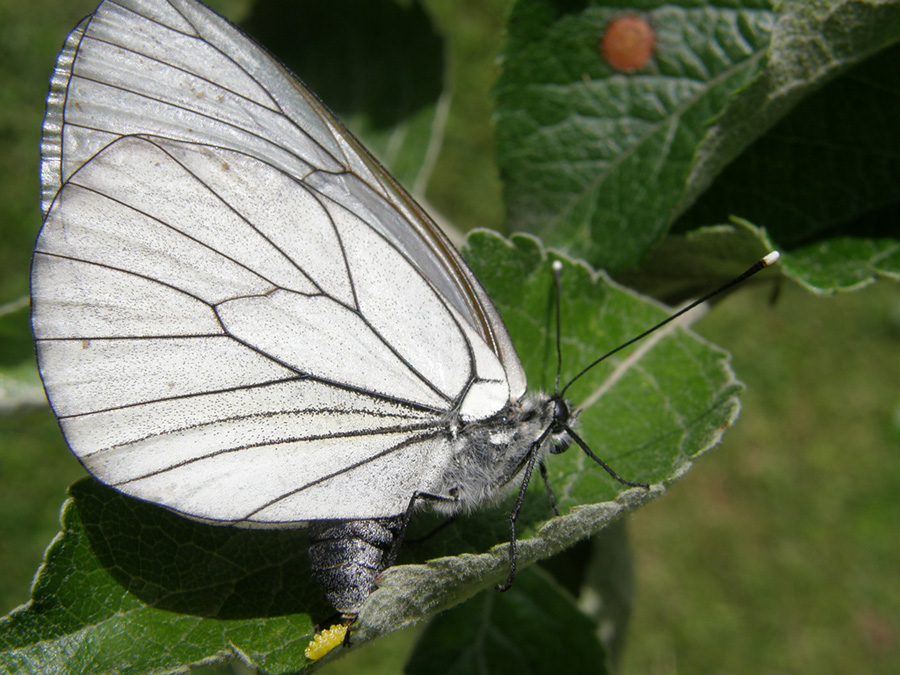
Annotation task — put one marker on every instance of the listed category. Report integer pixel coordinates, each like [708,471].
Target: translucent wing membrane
[175,69]
[238,314]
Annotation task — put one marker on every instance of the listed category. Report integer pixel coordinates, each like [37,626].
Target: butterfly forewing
[238,313]
[177,70]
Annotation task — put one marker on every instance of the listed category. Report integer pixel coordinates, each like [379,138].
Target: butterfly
[239,315]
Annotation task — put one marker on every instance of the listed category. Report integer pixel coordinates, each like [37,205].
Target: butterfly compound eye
[560,411]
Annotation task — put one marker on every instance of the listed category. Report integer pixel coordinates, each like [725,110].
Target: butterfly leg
[404,522]
[432,532]
[584,446]
[513,517]
[543,467]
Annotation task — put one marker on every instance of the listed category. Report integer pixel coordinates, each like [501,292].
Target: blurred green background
[778,553]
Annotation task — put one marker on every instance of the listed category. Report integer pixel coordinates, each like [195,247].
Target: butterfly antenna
[761,264]
[557,271]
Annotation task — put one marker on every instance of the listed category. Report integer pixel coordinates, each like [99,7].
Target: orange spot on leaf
[627,43]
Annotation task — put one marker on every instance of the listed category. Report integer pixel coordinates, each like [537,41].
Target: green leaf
[690,264]
[686,266]
[604,163]
[535,627]
[607,594]
[825,181]
[598,573]
[129,587]
[597,161]
[20,387]
[813,41]
[844,263]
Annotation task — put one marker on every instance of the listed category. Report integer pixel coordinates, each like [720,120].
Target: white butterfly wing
[174,68]
[237,313]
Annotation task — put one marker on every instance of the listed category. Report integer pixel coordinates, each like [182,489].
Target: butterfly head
[561,417]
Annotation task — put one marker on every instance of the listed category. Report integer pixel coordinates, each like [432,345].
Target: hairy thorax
[489,454]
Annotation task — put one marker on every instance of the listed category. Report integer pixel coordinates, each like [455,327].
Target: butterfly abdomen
[347,556]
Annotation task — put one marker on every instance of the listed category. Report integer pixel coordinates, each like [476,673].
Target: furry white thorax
[489,455]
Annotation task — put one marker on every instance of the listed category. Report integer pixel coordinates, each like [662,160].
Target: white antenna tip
[557,266]
[771,258]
